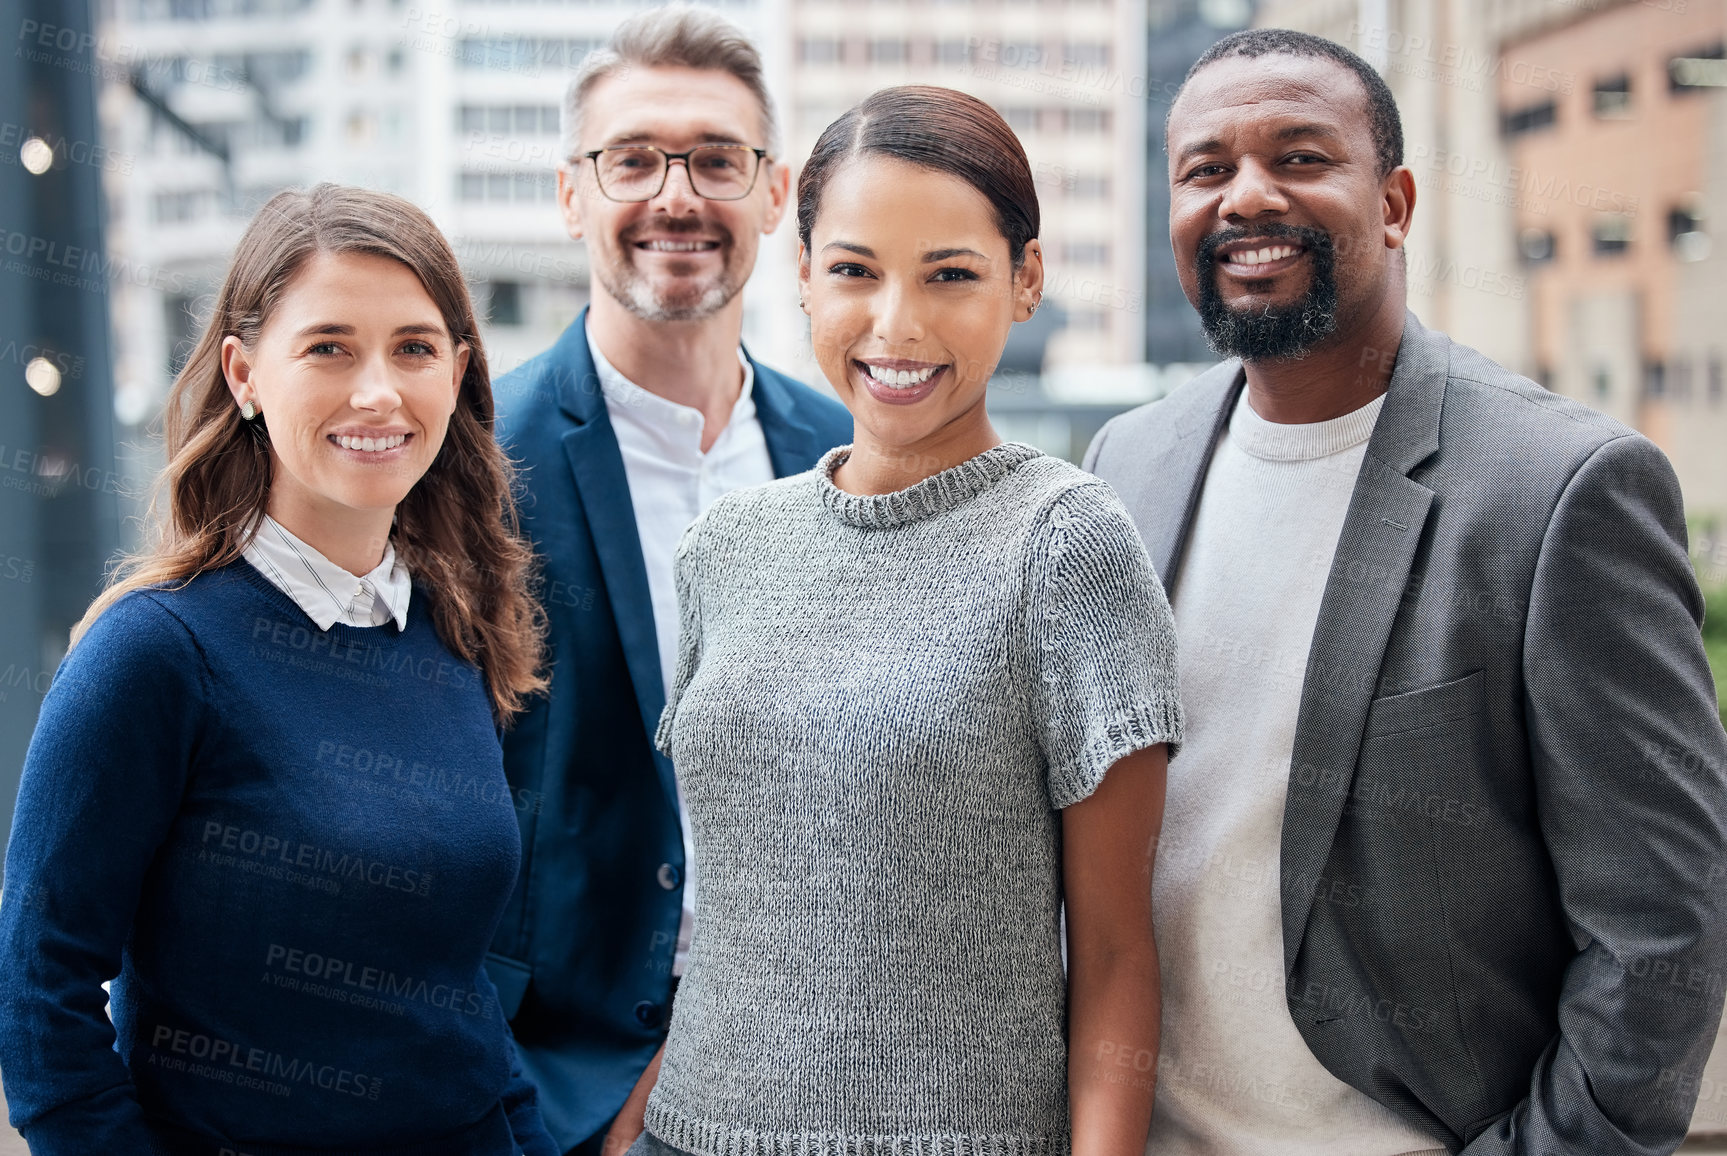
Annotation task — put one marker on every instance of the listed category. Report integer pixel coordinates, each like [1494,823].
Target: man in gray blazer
[1443,860]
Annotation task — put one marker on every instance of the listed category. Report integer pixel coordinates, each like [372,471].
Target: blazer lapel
[597,464]
[1369,573]
[1185,464]
[792,445]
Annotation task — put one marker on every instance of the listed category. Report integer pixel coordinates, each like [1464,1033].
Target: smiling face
[911,292]
[1283,228]
[355,375]
[679,256]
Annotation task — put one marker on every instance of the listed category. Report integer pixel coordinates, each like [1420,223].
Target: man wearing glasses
[643,412]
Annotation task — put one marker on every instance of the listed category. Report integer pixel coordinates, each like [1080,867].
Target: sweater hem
[705,1137]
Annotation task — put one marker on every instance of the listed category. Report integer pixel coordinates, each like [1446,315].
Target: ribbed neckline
[1276,442]
[936,494]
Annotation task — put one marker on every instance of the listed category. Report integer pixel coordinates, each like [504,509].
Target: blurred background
[1571,157]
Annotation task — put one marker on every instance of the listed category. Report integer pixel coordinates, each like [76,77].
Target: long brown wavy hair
[456,530]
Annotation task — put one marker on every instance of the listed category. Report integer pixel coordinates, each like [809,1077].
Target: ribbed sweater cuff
[1144,725]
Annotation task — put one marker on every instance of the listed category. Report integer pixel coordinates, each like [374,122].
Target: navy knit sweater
[289,849]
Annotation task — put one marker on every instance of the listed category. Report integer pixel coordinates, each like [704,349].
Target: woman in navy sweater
[265,796]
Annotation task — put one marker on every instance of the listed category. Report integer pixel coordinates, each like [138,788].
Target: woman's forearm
[1113,1020]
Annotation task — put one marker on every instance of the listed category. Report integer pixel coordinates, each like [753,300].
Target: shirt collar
[326,592]
[624,394]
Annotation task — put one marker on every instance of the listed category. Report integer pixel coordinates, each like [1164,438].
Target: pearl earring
[248,411]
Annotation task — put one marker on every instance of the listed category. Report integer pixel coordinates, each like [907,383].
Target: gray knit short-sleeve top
[880,705]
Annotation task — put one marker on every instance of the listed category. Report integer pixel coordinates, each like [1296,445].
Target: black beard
[1276,331]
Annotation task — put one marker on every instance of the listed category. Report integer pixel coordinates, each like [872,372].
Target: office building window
[144,10]
[819,50]
[1532,119]
[1086,52]
[1610,234]
[1655,379]
[1613,97]
[1685,232]
[510,120]
[951,52]
[529,55]
[502,188]
[180,206]
[504,303]
[1085,253]
[887,50]
[1701,69]
[1535,245]
[1681,383]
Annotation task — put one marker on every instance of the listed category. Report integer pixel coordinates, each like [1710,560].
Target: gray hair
[675,36]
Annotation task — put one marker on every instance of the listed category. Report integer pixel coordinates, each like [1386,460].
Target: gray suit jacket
[1504,852]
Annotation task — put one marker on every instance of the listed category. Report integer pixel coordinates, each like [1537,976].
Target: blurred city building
[1562,153]
[457,109]
[1069,77]
[1627,289]
[58,486]
[454,105]
[1179,33]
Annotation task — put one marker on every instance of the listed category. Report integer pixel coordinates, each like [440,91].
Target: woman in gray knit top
[924,693]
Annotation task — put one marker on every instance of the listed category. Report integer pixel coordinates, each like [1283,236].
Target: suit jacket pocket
[1427,706]
[1421,823]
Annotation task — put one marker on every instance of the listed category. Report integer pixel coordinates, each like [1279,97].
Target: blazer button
[669,876]
[648,1014]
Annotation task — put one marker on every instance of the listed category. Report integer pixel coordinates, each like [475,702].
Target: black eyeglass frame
[666,169]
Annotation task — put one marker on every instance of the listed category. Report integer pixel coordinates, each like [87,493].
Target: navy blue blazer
[583,956]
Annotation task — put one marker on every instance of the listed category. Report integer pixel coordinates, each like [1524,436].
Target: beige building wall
[1629,165]
[1697,395]
[1622,165]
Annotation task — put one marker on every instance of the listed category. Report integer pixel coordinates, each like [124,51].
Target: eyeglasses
[638,172]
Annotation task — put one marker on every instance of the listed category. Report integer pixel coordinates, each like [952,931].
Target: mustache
[1311,238]
[711,231]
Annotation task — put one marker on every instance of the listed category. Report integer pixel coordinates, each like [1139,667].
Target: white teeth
[680,246]
[900,378]
[1262,256]
[371,445]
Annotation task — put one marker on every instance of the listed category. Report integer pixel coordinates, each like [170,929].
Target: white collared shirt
[671,482]
[326,592]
